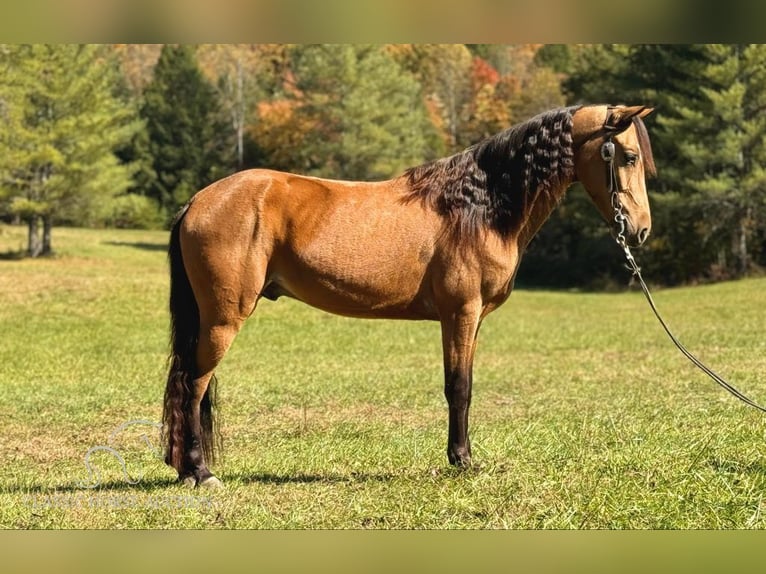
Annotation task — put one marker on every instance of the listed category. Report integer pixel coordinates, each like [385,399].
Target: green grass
[584,415]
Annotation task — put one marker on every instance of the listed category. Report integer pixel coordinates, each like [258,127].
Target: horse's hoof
[211,482]
[188,481]
[464,464]
[459,458]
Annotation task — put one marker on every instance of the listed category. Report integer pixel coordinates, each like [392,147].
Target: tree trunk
[743,260]
[33,237]
[240,105]
[47,227]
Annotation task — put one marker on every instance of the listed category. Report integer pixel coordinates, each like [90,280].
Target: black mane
[492,183]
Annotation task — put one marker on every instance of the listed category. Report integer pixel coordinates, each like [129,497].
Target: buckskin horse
[442,242]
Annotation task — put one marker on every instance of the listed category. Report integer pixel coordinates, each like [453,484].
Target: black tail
[184,335]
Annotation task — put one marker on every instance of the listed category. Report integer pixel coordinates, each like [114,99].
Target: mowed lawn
[584,415]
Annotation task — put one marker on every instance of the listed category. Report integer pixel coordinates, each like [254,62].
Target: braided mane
[493,183]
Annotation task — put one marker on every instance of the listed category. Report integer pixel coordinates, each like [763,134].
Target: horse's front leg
[459,336]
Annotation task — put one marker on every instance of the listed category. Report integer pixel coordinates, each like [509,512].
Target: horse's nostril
[643,234]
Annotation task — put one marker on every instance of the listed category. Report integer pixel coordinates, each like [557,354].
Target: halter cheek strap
[613,185]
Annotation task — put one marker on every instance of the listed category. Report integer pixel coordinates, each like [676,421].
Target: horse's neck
[540,209]
[586,121]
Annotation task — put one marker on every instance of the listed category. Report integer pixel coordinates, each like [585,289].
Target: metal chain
[620,219]
[607,154]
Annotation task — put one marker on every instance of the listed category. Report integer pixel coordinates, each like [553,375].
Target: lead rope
[620,219]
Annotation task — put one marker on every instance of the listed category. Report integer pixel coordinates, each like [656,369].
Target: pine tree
[353,113]
[186,127]
[721,138]
[557,57]
[598,75]
[63,124]
[667,77]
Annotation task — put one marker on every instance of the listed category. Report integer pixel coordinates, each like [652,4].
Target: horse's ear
[620,118]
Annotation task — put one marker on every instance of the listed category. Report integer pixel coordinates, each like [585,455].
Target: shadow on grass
[263,478]
[143,485]
[159,485]
[139,245]
[305,478]
[354,477]
[17,255]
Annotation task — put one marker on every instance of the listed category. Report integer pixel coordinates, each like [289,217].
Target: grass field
[584,415]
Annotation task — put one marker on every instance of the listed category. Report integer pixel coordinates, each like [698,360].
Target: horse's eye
[631,158]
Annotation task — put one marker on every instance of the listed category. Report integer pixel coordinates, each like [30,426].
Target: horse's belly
[382,291]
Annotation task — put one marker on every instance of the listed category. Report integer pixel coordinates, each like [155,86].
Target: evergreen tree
[721,147]
[667,77]
[599,74]
[63,124]
[187,130]
[363,115]
[557,57]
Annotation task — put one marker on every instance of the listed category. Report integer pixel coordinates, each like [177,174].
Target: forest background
[122,135]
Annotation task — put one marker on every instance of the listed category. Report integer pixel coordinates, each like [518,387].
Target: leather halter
[608,152]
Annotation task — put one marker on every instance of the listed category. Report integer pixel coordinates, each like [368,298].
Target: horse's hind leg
[214,341]
[222,311]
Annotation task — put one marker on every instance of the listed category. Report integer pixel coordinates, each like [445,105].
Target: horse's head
[612,157]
